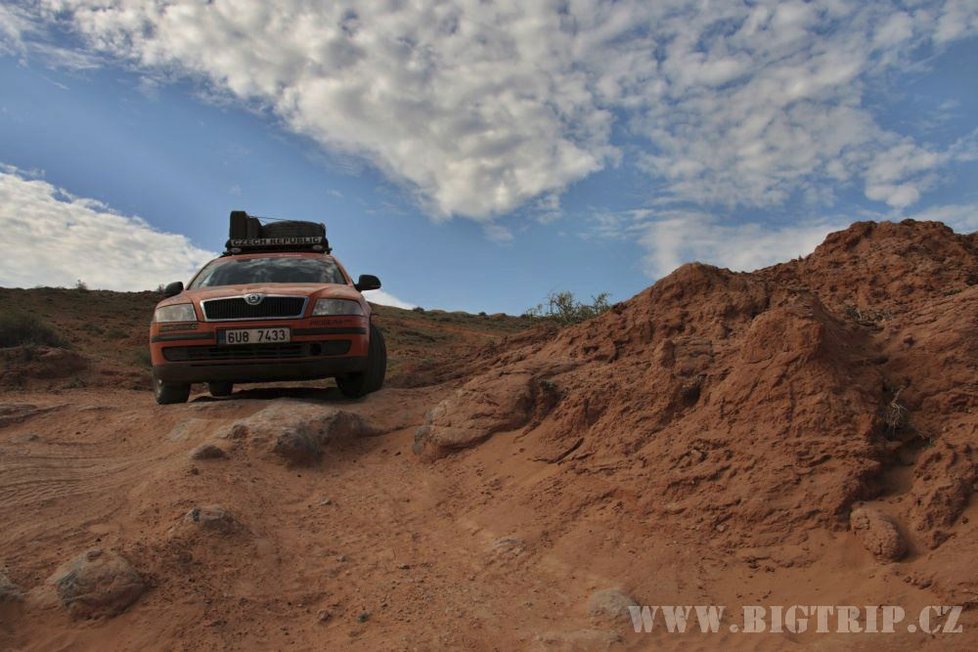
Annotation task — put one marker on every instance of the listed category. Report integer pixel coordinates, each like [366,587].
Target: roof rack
[247,234]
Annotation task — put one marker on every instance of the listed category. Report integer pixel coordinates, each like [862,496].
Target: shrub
[563,308]
[18,329]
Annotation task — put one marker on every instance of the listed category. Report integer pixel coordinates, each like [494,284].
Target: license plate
[255,336]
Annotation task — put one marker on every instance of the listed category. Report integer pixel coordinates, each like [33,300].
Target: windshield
[249,271]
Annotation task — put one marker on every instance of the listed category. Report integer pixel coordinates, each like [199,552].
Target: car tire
[371,379]
[167,393]
[220,389]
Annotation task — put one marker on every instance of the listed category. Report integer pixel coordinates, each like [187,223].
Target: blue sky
[477,156]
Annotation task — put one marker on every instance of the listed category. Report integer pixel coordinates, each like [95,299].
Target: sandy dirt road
[370,548]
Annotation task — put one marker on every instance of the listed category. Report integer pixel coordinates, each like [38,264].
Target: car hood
[315,290]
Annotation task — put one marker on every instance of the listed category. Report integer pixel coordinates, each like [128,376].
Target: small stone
[9,592]
[212,517]
[610,603]
[97,584]
[323,616]
[208,452]
[236,431]
[581,639]
[508,547]
[326,501]
[363,617]
[26,438]
[878,533]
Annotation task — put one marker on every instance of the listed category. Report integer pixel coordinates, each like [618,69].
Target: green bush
[19,328]
[563,308]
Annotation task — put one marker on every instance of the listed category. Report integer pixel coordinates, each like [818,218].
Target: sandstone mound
[756,405]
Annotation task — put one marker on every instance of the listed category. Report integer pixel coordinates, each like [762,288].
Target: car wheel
[370,380]
[220,389]
[167,393]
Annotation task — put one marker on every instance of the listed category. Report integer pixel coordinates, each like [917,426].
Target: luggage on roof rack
[247,234]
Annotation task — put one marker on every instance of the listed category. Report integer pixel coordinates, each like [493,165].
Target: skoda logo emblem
[253,299]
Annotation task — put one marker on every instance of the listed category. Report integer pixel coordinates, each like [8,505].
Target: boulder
[610,604]
[297,432]
[208,451]
[97,583]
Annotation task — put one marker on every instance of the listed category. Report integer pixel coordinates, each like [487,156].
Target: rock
[236,431]
[97,584]
[508,547]
[323,616]
[581,639]
[298,446]
[9,592]
[610,604]
[494,402]
[297,432]
[208,451]
[212,518]
[878,533]
[26,438]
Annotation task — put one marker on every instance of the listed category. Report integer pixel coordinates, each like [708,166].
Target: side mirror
[173,289]
[367,282]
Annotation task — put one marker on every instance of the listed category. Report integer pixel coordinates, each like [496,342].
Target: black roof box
[247,234]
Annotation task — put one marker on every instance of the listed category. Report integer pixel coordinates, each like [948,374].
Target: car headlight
[337,307]
[179,312]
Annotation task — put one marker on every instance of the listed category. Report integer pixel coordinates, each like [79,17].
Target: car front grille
[256,352]
[269,308]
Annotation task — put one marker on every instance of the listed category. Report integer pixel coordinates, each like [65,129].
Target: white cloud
[53,238]
[672,237]
[480,107]
[386,299]
[741,247]
[958,19]
[963,218]
[497,232]
[476,108]
[13,26]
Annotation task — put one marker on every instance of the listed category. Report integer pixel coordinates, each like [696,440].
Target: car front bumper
[319,348]
[258,371]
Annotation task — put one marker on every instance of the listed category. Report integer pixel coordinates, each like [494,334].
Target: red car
[276,306]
